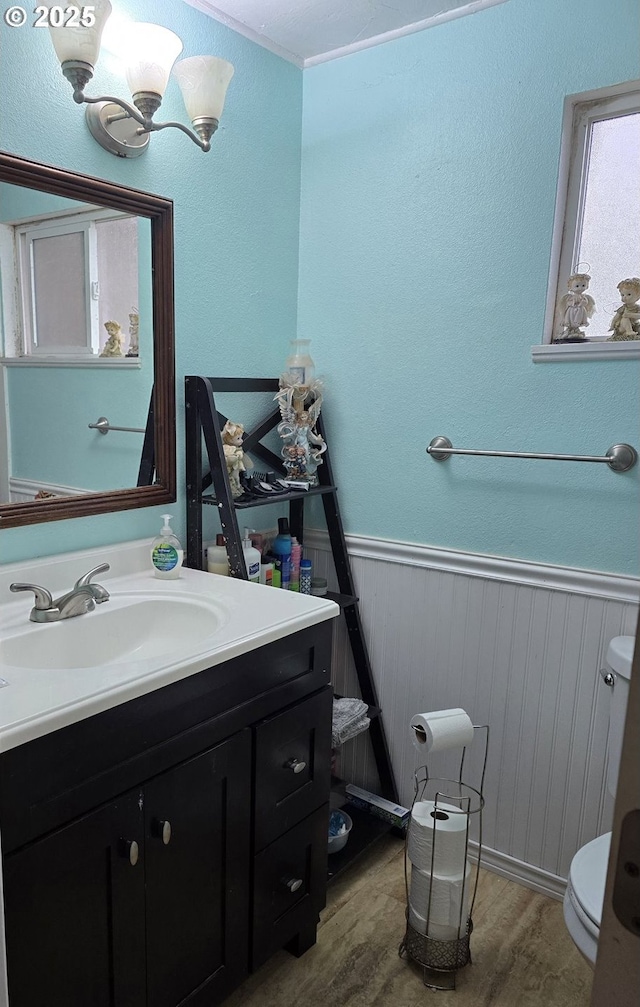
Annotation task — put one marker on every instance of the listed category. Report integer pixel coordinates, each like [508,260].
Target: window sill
[128,363]
[555,353]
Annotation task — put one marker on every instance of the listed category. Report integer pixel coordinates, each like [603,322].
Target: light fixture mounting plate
[120,137]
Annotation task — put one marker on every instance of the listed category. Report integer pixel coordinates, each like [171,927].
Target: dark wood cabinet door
[74,905]
[197,822]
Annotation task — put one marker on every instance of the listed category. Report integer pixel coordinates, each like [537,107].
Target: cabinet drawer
[293,752]
[290,885]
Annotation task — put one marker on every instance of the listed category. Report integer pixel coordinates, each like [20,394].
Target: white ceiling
[307,32]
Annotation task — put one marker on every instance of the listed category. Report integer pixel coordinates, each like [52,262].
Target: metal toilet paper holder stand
[441,959]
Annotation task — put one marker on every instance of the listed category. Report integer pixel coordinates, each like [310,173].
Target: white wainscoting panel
[517,645]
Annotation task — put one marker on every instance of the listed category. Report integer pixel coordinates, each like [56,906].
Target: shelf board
[343,600]
[367,830]
[275,499]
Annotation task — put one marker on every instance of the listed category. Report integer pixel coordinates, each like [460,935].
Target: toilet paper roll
[437,931]
[438,831]
[441,729]
[443,901]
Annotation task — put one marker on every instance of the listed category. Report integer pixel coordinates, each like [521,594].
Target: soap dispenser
[166,552]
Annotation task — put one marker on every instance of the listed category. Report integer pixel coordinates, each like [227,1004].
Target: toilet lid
[588,876]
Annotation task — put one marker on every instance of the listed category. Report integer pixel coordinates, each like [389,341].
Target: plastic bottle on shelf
[252,557]
[296,556]
[281,549]
[305,576]
[217,559]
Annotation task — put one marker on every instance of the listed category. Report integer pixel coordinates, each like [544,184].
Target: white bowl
[337,843]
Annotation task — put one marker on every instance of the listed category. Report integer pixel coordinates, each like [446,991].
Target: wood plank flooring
[522,953]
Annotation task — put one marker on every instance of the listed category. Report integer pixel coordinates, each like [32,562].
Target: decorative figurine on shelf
[300,401]
[113,345]
[625,324]
[576,309]
[234,456]
[134,325]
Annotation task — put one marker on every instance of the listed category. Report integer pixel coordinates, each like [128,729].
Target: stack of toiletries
[278,563]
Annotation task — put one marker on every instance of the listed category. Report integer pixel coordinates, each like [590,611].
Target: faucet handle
[43,598]
[100,593]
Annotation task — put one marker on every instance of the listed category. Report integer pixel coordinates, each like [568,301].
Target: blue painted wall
[428,187]
[236,215]
[424,225]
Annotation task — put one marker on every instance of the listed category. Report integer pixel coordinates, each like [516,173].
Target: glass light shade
[80,43]
[149,52]
[203,81]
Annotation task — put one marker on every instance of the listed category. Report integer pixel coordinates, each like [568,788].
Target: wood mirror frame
[60,182]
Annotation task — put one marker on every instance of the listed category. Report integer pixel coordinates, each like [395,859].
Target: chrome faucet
[81,599]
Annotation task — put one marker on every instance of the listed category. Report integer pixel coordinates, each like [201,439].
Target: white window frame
[580,111]
[23,349]
[26,234]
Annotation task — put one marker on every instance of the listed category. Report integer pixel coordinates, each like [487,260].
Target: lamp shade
[80,42]
[149,52]
[203,81]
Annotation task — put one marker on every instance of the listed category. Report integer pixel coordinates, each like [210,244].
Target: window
[596,229]
[75,273]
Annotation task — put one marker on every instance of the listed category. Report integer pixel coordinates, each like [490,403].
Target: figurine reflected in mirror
[625,324]
[115,342]
[134,325]
[576,309]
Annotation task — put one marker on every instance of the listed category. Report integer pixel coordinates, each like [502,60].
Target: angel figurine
[234,456]
[303,446]
[577,307]
[625,324]
[113,345]
[134,325]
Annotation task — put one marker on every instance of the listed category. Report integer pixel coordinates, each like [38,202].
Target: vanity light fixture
[149,52]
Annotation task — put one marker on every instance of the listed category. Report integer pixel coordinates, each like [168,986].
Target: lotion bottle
[166,552]
[217,559]
[252,557]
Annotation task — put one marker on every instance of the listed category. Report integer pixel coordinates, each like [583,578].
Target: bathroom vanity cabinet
[157,852]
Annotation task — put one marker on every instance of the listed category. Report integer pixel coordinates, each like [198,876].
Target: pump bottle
[166,552]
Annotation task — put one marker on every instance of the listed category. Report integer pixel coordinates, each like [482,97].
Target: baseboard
[26,489]
[516,870]
[595,583]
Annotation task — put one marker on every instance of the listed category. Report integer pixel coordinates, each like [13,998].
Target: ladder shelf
[210,487]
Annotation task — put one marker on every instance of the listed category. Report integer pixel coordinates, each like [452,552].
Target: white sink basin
[126,629]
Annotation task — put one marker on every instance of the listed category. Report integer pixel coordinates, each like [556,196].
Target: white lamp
[149,52]
[204,81]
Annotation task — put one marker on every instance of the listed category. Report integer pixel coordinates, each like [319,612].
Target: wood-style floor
[522,953]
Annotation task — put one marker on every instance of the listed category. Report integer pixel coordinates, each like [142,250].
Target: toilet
[584,896]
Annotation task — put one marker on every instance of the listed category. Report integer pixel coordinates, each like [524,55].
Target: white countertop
[40,700]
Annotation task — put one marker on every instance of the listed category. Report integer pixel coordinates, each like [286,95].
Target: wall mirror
[86,332]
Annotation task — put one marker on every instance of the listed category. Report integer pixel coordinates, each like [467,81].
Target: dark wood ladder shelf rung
[277,498]
[342,600]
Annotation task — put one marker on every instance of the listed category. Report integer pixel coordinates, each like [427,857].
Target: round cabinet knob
[608,678]
[294,765]
[162,830]
[131,850]
[293,884]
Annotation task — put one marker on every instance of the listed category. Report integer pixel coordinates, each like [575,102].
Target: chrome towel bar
[104,427]
[619,458]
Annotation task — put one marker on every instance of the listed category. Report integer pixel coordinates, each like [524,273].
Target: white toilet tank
[619,658]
